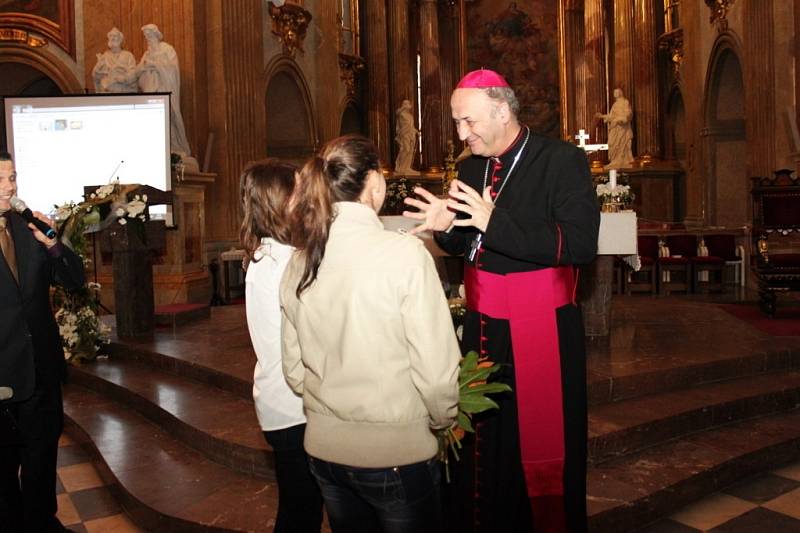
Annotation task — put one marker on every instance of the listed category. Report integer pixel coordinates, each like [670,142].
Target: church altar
[617,238]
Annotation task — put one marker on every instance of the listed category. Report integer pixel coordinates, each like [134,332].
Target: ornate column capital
[719,12]
[350,68]
[289,24]
[672,43]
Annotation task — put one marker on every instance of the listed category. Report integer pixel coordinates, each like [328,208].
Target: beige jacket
[370,346]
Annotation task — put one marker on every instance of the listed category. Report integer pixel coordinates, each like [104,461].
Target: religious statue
[115,71]
[406,137]
[158,71]
[620,134]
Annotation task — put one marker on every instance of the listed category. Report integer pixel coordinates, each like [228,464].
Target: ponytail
[338,174]
[313,215]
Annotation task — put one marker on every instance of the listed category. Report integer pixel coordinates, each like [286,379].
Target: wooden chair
[676,268]
[708,263]
[776,251]
[645,279]
[724,246]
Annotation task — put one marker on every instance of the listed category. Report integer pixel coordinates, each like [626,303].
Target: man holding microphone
[31,362]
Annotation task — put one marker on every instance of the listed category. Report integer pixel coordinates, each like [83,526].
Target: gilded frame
[59,28]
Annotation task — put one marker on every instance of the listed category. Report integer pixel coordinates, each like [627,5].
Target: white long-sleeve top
[277,406]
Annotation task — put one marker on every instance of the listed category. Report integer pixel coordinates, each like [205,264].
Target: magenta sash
[528,300]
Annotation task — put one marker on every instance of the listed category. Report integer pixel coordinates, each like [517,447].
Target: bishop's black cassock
[546,215]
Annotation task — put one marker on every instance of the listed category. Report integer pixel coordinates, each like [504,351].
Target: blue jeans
[393,500]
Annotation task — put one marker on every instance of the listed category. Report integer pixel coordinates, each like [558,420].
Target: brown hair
[265,189]
[338,174]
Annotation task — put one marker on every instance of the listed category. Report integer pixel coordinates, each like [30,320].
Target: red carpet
[785,324]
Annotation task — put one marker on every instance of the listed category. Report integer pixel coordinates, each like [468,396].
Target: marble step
[217,423]
[629,492]
[626,378]
[629,425]
[230,369]
[163,484]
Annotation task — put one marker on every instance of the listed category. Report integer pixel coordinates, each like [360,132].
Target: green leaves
[472,398]
[473,389]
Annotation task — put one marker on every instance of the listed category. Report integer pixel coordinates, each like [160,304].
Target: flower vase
[610,207]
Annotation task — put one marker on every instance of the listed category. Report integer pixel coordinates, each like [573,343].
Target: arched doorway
[675,131]
[19,79]
[724,136]
[290,128]
[352,121]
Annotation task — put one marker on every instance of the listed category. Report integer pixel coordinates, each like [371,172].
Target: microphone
[23,210]
[6,393]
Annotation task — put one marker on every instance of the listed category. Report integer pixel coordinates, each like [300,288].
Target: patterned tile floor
[767,503]
[84,502]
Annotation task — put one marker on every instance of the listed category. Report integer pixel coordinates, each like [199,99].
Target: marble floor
[767,503]
[84,502]
[654,341]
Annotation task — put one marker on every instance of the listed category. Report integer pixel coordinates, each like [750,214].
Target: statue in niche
[158,71]
[115,71]
[620,134]
[406,136]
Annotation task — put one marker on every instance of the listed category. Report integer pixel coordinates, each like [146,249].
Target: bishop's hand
[467,200]
[432,211]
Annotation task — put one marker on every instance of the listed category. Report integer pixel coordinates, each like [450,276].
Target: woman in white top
[266,194]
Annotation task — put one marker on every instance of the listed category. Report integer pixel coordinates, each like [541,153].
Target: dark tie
[7,247]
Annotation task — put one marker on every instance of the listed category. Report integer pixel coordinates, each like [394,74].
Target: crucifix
[582,137]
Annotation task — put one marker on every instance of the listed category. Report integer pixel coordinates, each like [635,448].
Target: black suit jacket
[30,346]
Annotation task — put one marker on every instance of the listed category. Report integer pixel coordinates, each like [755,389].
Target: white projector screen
[61,144]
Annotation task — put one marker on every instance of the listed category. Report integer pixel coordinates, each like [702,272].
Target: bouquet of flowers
[77,312]
[396,192]
[620,194]
[473,389]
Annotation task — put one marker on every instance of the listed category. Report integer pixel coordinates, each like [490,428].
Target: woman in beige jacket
[368,341]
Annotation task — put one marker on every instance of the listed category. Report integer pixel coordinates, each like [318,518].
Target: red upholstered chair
[707,265]
[645,279]
[676,269]
[724,246]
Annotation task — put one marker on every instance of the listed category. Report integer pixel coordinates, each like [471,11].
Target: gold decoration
[719,12]
[350,68]
[289,23]
[672,43]
[21,36]
[644,160]
[450,172]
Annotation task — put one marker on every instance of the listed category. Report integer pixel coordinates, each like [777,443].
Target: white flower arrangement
[620,193]
[77,312]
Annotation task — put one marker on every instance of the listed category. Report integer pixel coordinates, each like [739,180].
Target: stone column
[401,62]
[624,41]
[797,69]
[759,73]
[432,150]
[570,60]
[595,73]
[646,113]
[450,58]
[377,57]
[326,58]
[236,94]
